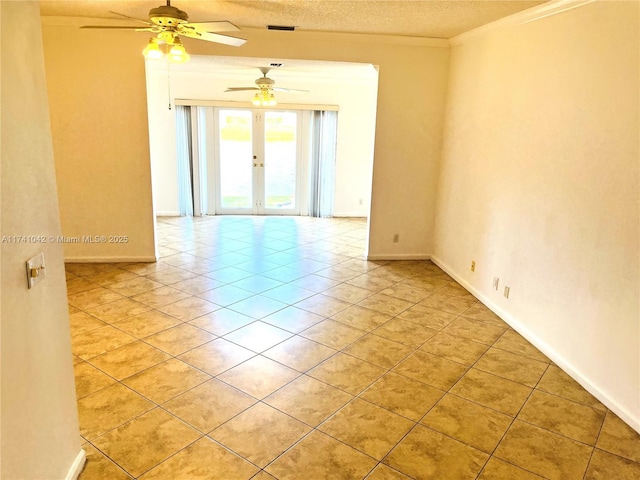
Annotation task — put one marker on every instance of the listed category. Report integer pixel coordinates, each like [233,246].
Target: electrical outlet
[496,281]
[396,238]
[473,265]
[506,292]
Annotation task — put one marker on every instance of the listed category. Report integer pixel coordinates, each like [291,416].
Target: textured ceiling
[419,18]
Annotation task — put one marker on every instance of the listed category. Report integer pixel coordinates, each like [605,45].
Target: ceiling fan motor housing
[167,16]
[265,82]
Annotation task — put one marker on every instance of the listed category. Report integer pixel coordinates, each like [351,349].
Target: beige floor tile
[196,285]
[225,295]
[367,428]
[347,373]
[348,293]
[110,277]
[166,380]
[129,359]
[147,323]
[405,291]
[99,341]
[332,334]
[263,476]
[315,283]
[496,469]
[513,342]
[108,408]
[407,333]
[222,321]
[402,395]
[453,288]
[430,369]
[321,457]
[144,442]
[79,285]
[72,309]
[480,312]
[475,330]
[134,286]
[209,405]
[559,383]
[299,353]
[216,356]
[539,451]
[202,460]
[604,466]
[160,296]
[258,336]
[189,308]
[339,273]
[260,433]
[619,438]
[170,275]
[511,366]
[448,303]
[385,304]
[456,349]
[258,306]
[179,339]
[82,322]
[378,350]
[382,472]
[308,400]
[93,298]
[491,391]
[361,318]
[428,283]
[565,417]
[427,317]
[425,454]
[473,424]
[117,311]
[99,467]
[89,379]
[288,293]
[371,282]
[323,305]
[259,376]
[293,319]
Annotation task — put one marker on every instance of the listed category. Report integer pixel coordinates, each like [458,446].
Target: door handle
[255,164]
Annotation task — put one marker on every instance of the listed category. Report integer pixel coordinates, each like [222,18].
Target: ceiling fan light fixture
[264,98]
[177,52]
[152,51]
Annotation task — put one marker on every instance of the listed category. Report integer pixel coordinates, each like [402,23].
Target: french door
[257,161]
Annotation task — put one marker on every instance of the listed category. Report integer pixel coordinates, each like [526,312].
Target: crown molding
[526,16]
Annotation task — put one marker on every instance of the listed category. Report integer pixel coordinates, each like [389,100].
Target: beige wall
[98,110]
[97,101]
[40,436]
[539,186]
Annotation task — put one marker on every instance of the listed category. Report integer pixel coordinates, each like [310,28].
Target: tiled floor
[268,348]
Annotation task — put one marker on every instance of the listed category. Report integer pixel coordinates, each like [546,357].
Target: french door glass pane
[280,159]
[236,153]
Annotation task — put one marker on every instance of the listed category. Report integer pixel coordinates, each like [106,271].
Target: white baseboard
[541,345]
[167,214]
[350,215]
[141,259]
[77,466]
[399,256]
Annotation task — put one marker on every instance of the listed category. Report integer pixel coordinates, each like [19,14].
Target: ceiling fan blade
[147,22]
[222,26]
[290,90]
[213,37]
[111,27]
[240,89]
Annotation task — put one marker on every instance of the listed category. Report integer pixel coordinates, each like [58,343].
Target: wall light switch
[35,270]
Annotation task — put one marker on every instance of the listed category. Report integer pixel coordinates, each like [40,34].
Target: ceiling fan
[169,24]
[265,87]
